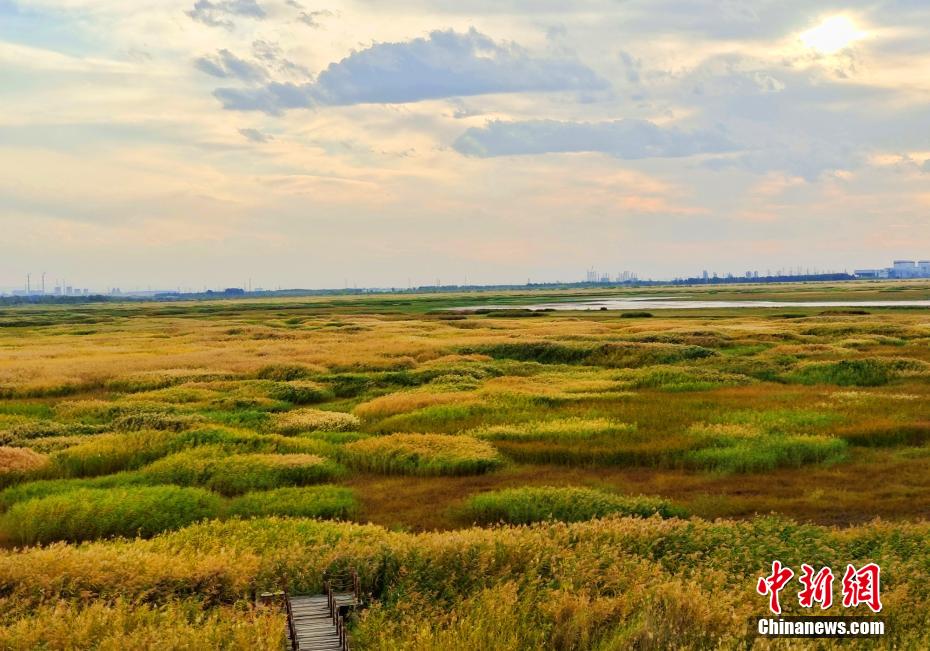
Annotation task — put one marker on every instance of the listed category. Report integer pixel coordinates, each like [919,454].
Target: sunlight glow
[832,35]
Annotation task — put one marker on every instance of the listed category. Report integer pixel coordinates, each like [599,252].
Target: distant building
[898,269]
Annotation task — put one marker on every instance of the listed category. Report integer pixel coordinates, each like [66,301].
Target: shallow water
[649,303]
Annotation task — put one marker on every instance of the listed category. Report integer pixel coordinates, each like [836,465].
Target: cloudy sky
[314,143]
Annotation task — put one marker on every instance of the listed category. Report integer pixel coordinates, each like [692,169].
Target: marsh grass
[17,464]
[330,502]
[108,453]
[740,449]
[422,454]
[672,378]
[856,372]
[89,514]
[128,624]
[149,420]
[537,504]
[728,412]
[241,473]
[301,392]
[610,355]
[284,372]
[407,401]
[44,488]
[567,430]
[313,420]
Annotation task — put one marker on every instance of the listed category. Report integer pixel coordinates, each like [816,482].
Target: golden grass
[125,624]
[423,454]
[18,461]
[314,420]
[399,403]
[390,361]
[574,429]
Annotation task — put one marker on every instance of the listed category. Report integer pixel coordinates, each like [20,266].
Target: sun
[832,35]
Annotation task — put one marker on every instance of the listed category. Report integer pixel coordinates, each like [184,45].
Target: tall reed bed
[88,514]
[536,504]
[422,454]
[241,473]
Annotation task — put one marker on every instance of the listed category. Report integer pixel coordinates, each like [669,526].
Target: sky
[328,143]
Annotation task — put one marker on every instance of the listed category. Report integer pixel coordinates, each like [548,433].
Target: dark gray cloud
[226,65]
[626,139]
[254,135]
[221,12]
[446,64]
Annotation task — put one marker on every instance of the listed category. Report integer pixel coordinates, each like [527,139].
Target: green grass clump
[154,420]
[329,502]
[284,372]
[636,355]
[251,418]
[27,409]
[244,441]
[301,392]
[675,378]
[88,514]
[561,429]
[544,352]
[886,434]
[765,453]
[610,355]
[332,438]
[241,473]
[854,372]
[109,453]
[784,421]
[537,504]
[44,488]
[423,454]
[25,432]
[514,314]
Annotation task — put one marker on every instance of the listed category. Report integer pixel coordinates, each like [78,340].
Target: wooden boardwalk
[312,625]
[315,622]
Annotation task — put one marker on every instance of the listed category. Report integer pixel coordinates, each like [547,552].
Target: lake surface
[652,303]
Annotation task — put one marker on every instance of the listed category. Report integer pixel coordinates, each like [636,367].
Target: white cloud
[446,64]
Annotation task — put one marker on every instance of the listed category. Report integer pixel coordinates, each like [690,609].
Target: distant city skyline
[899,269]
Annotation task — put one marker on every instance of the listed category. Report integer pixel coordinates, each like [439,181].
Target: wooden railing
[292,631]
[343,634]
[338,620]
